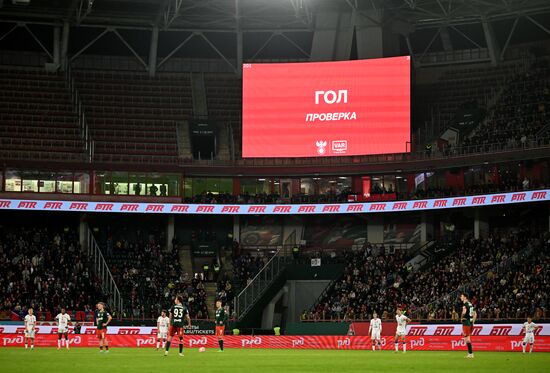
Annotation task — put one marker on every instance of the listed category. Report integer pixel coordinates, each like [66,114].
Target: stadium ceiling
[258,15]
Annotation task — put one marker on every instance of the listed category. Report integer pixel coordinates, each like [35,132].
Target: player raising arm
[178,313]
[530,328]
[468,319]
[102,320]
[221,320]
[30,328]
[401,330]
[375,328]
[63,321]
[163,322]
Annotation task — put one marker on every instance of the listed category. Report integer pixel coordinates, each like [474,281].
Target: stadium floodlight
[20,2]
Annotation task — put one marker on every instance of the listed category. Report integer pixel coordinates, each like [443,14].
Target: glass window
[13,181]
[81,183]
[188,187]
[102,182]
[138,183]
[256,186]
[47,182]
[65,182]
[119,183]
[30,181]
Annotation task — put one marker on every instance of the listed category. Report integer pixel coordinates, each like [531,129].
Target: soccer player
[30,329]
[530,328]
[162,329]
[375,328]
[63,321]
[221,320]
[401,330]
[468,319]
[103,318]
[178,313]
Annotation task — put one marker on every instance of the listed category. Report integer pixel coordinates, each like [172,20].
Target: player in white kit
[63,321]
[530,328]
[30,329]
[375,328]
[401,330]
[163,323]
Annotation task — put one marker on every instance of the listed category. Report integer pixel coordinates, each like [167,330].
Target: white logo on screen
[321,145]
[340,146]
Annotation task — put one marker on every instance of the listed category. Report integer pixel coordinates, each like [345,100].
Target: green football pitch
[82,360]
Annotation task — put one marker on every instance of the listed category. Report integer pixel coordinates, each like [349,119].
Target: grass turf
[82,360]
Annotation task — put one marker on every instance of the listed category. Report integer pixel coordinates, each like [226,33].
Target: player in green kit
[178,313]
[103,319]
[468,319]
[221,320]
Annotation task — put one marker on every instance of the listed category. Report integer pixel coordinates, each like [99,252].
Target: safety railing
[102,272]
[79,108]
[246,299]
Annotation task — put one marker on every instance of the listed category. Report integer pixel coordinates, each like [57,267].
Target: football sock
[181,347]
[404,347]
[523,346]
[469,347]
[107,348]
[220,342]
[158,344]
[396,346]
[167,345]
[531,348]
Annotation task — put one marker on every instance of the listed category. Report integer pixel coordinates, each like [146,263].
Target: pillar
[170,231]
[153,50]
[83,232]
[64,59]
[481,225]
[375,229]
[426,227]
[492,44]
[369,32]
[56,46]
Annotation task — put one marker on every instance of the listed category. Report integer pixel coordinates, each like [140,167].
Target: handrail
[103,272]
[269,269]
[85,133]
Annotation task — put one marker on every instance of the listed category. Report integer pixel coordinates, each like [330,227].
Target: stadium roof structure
[251,15]
[425,26]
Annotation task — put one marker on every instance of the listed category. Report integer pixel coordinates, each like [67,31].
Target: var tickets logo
[251,342]
[145,341]
[340,146]
[297,342]
[321,145]
[198,341]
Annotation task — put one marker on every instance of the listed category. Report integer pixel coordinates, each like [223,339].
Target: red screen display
[324,109]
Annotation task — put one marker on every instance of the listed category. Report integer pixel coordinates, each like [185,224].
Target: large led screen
[326,109]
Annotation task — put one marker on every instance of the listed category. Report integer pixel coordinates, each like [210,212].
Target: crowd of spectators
[381,280]
[45,269]
[521,110]
[150,277]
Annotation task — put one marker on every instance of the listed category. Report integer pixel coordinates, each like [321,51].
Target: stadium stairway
[211,295]
[186,261]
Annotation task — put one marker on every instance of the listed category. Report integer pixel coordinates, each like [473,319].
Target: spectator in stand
[46,270]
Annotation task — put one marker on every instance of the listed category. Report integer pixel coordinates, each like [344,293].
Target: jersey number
[178,313]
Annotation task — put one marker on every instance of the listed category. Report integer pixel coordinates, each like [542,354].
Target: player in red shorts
[468,319]
[102,320]
[178,313]
[221,320]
